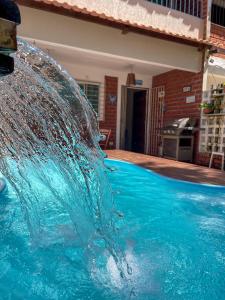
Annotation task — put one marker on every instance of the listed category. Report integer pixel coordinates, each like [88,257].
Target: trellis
[212,138]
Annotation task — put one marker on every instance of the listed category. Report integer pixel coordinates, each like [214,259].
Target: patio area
[171,168]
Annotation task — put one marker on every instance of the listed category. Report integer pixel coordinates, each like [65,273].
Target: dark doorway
[133,119]
[138,126]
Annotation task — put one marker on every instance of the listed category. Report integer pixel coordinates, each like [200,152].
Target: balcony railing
[190,7]
[218,12]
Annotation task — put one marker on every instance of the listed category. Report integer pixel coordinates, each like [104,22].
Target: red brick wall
[175,98]
[205,8]
[218,35]
[205,16]
[111,89]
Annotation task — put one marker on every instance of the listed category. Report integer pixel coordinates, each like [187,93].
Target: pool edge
[167,177]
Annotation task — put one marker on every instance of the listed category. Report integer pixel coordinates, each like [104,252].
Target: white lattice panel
[212,137]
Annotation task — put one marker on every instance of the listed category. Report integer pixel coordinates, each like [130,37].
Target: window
[218,12]
[92,91]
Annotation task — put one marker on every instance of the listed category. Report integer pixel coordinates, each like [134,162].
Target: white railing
[190,7]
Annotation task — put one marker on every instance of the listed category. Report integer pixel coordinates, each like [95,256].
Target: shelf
[214,115]
[218,95]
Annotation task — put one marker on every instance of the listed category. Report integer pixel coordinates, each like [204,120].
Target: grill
[178,139]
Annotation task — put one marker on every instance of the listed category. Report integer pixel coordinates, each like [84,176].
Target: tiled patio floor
[170,168]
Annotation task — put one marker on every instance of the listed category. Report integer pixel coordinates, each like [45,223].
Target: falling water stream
[56,178]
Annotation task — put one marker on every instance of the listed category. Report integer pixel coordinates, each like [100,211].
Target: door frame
[155,120]
[124,89]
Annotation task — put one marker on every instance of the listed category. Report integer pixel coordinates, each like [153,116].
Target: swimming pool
[172,234]
[175,233]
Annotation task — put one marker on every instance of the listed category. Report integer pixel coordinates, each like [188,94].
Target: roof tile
[69,6]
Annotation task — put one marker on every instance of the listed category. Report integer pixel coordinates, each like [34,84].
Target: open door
[133,119]
[138,122]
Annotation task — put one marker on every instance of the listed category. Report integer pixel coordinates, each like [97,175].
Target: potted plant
[208,107]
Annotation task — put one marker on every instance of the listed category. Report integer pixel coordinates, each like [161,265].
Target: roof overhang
[125,26]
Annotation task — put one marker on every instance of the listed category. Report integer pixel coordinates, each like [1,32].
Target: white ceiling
[69,55]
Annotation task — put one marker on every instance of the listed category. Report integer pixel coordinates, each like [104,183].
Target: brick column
[110,117]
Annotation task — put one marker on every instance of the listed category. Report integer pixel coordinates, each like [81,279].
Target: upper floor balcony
[218,12]
[217,35]
[179,18]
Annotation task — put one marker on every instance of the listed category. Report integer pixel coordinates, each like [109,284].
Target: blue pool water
[174,232]
[171,233]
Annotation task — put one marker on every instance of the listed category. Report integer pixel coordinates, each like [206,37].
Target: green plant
[207,105]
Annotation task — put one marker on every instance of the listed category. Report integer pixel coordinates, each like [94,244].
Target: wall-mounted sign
[190,99]
[138,82]
[186,89]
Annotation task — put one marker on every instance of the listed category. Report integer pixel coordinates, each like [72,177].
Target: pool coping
[170,169]
[167,177]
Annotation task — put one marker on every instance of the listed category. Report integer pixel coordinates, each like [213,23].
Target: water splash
[50,156]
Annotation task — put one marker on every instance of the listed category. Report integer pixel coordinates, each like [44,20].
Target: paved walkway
[170,168]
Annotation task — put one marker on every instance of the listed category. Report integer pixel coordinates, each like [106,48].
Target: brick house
[166,44]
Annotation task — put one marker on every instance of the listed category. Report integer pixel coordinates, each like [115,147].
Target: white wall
[107,41]
[145,14]
[216,71]
[214,79]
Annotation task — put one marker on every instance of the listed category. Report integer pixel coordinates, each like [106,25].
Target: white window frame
[101,107]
